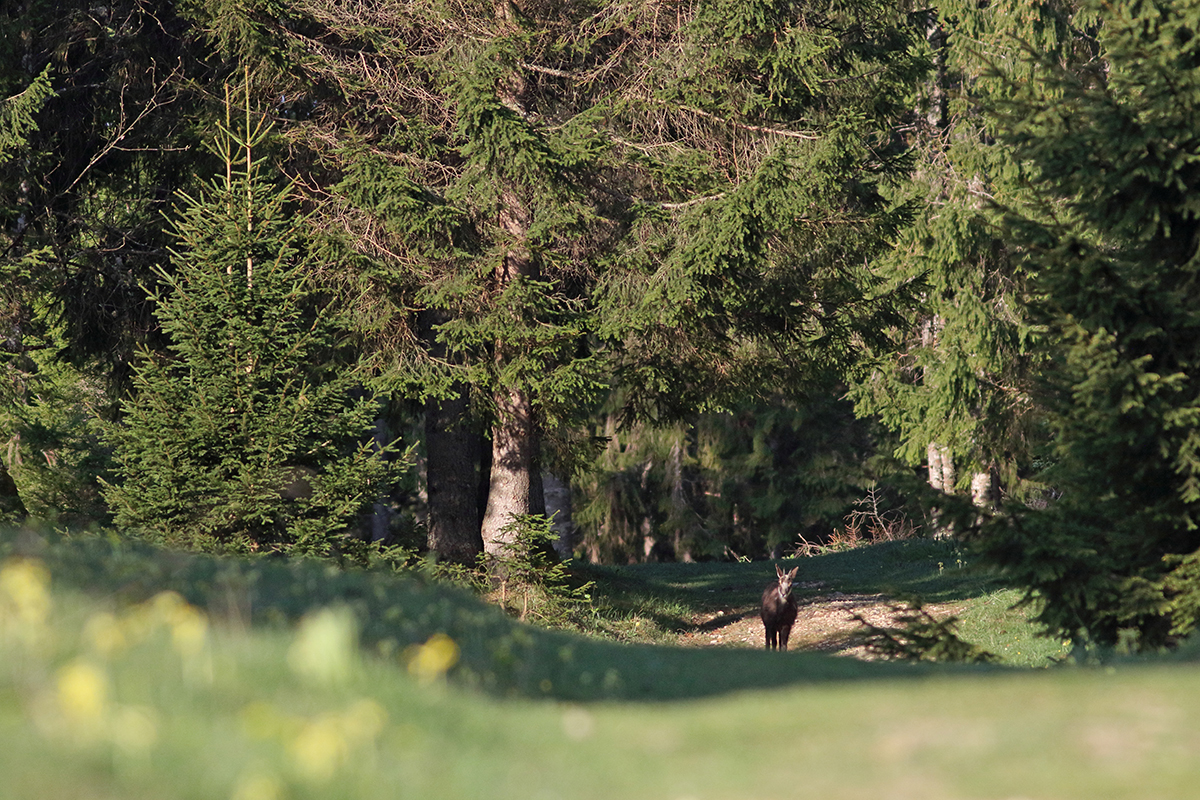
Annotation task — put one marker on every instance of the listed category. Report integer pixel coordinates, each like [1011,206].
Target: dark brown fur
[779,609]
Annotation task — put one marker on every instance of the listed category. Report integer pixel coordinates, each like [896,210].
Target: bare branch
[693,202]
[124,127]
[558,73]
[807,135]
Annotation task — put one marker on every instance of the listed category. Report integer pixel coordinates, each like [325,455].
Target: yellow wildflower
[83,694]
[189,630]
[433,659]
[104,632]
[24,592]
[324,744]
[364,720]
[319,749]
[134,729]
[261,720]
[257,786]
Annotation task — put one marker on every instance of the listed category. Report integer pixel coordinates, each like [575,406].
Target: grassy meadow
[129,672]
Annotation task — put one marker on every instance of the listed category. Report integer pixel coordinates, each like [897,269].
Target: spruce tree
[957,381]
[251,432]
[1112,240]
[587,194]
[17,122]
[109,137]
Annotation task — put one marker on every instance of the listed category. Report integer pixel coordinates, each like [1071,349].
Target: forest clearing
[640,281]
[419,397]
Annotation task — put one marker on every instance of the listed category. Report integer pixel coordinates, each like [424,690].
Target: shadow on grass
[394,612]
[723,621]
[675,596]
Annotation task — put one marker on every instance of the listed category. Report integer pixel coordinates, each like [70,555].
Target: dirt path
[825,622]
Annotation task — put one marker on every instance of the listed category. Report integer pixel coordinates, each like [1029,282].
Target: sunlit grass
[994,622]
[102,698]
[660,600]
[131,672]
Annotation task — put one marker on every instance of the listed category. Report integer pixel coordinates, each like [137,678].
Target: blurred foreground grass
[115,684]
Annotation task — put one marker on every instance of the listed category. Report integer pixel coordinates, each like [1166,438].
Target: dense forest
[695,279]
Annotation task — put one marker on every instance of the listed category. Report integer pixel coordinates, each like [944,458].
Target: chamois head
[786,579]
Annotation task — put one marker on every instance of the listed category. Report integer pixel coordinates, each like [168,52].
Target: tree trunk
[942,478]
[452,448]
[949,473]
[381,509]
[933,458]
[650,548]
[942,475]
[12,510]
[983,489]
[514,462]
[935,34]
[681,510]
[557,495]
[515,486]
[453,443]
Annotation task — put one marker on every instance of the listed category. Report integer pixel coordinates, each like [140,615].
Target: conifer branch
[849,78]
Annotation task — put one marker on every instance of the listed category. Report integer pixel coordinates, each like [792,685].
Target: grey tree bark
[514,456]
[942,474]
[942,477]
[515,485]
[983,488]
[557,494]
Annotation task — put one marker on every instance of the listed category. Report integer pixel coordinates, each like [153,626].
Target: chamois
[779,609]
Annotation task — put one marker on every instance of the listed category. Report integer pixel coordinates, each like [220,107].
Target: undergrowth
[530,582]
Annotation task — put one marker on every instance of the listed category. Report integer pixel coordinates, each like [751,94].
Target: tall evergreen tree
[956,384]
[1112,241]
[17,121]
[687,198]
[252,432]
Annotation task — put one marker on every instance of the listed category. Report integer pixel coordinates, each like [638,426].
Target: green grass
[933,570]
[108,693]
[655,602]
[991,622]
[667,596]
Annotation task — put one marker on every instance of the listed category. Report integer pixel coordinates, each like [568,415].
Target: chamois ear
[792,574]
[779,572]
